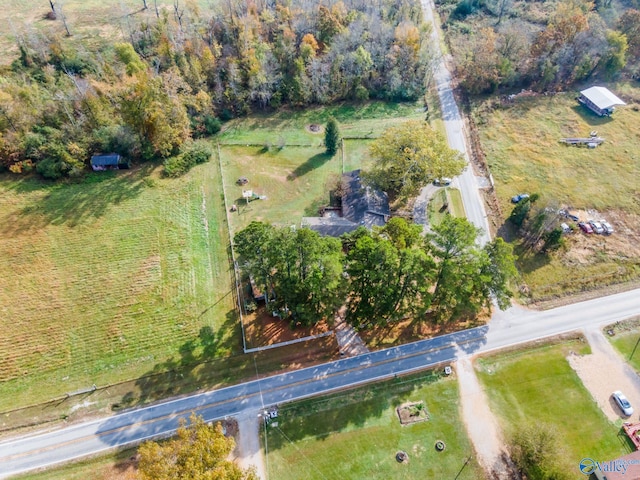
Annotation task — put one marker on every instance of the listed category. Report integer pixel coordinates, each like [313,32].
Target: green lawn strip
[295,180]
[356,434]
[107,278]
[289,127]
[112,465]
[451,196]
[538,385]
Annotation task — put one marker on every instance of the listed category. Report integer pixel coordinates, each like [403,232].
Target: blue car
[520,197]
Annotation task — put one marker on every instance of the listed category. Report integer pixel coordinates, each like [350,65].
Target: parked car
[596,227]
[623,403]
[565,228]
[585,227]
[519,197]
[444,181]
[608,229]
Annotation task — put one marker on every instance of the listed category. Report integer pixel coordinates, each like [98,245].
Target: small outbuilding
[109,161]
[600,100]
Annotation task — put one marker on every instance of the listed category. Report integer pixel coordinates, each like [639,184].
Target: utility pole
[465,464]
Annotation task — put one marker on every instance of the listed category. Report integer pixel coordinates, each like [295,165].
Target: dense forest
[179,77]
[544,45]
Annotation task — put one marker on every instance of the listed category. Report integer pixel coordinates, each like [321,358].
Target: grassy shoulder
[107,278]
[356,434]
[117,465]
[626,339]
[539,386]
[521,140]
[445,201]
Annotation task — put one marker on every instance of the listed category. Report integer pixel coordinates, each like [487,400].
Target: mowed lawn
[356,435]
[539,386]
[627,342]
[295,181]
[286,162]
[291,127]
[103,279]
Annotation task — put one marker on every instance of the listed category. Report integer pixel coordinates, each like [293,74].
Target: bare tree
[144,3]
[155,4]
[60,12]
[179,13]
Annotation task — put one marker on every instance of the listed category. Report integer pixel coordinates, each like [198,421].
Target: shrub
[194,153]
[212,125]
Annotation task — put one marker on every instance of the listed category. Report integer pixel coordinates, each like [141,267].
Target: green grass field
[290,127]
[104,279]
[523,149]
[295,180]
[285,161]
[521,143]
[539,386]
[356,434]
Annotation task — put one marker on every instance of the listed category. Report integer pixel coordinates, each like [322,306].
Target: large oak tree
[410,155]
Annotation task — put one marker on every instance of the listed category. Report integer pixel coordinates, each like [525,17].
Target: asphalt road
[454,126]
[515,326]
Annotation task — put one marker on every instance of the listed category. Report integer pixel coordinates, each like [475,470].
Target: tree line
[178,77]
[541,46]
[382,275]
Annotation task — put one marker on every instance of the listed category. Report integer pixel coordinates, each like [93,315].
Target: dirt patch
[314,128]
[412,412]
[262,329]
[411,330]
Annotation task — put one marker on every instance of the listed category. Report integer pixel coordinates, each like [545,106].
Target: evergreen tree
[331,136]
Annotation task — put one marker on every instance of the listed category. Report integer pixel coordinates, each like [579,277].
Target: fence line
[233,254]
[289,342]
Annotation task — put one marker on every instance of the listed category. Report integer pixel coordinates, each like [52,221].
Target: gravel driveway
[605,371]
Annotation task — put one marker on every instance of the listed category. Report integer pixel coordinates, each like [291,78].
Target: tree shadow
[73,202]
[321,417]
[311,164]
[529,261]
[186,372]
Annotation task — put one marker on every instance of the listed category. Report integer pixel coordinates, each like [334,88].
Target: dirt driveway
[605,371]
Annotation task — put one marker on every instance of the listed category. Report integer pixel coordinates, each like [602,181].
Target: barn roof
[111,159]
[601,97]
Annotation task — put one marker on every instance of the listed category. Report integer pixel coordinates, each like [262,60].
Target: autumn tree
[331,136]
[198,451]
[408,156]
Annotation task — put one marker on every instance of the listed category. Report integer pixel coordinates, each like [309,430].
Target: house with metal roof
[362,205]
[110,161]
[600,100]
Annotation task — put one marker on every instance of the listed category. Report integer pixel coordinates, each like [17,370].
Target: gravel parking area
[605,371]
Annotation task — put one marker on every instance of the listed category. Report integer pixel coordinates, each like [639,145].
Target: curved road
[512,327]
